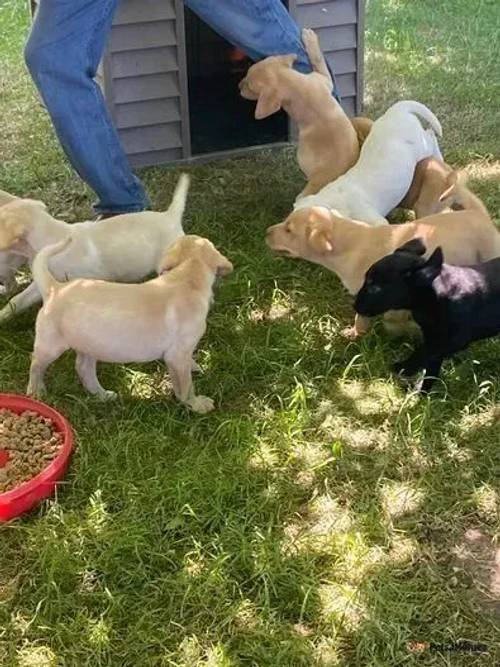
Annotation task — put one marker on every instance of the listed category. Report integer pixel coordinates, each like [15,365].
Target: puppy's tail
[458,196]
[43,278]
[420,110]
[176,209]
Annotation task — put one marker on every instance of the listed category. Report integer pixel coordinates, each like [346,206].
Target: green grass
[320,516]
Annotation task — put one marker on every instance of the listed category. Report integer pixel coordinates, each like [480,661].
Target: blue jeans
[64,50]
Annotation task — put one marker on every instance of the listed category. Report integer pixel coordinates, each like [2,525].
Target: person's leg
[62,53]
[260,28]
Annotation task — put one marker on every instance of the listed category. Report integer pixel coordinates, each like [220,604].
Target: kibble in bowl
[35,446]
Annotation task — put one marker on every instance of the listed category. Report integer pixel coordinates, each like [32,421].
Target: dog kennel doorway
[220,119]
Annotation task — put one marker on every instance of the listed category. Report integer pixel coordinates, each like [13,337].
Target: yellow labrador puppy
[9,262]
[327,143]
[349,248]
[163,318]
[125,248]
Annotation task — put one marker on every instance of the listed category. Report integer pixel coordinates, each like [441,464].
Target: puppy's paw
[406,368]
[309,39]
[400,368]
[201,404]
[9,287]
[107,395]
[351,333]
[425,385]
[6,314]
[36,390]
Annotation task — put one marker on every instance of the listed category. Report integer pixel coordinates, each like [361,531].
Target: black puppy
[454,305]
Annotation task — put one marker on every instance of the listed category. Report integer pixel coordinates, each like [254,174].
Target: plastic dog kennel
[171,83]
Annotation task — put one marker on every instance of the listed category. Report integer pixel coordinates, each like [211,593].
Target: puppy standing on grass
[349,248]
[383,174]
[436,187]
[454,305]
[327,142]
[125,248]
[163,318]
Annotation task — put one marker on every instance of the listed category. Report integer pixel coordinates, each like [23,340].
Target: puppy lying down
[125,248]
[384,171]
[163,318]
[349,248]
[454,305]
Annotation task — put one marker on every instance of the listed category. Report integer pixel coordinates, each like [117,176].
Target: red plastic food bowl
[30,493]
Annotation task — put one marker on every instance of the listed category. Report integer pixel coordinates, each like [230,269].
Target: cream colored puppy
[163,318]
[9,265]
[383,174]
[349,248]
[125,248]
[327,142]
[9,262]
[458,196]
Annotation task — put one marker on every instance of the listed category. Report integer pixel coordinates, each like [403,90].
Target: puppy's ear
[219,264]
[320,241]
[269,102]
[12,232]
[170,259]
[287,60]
[362,127]
[414,247]
[224,267]
[431,269]
[319,230]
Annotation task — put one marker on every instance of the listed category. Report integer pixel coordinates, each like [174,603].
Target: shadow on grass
[268,532]
[191,532]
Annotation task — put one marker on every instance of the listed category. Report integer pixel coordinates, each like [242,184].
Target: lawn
[321,515]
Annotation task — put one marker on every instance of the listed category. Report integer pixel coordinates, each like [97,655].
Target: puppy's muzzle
[365,306]
[276,247]
[245,91]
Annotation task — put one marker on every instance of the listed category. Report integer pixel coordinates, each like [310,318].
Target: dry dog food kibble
[31,444]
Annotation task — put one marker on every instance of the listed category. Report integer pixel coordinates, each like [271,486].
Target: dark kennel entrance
[220,119]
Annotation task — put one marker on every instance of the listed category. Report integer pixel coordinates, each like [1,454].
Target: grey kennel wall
[145,78]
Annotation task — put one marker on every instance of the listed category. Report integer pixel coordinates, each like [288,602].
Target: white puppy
[384,171]
[125,248]
[163,318]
